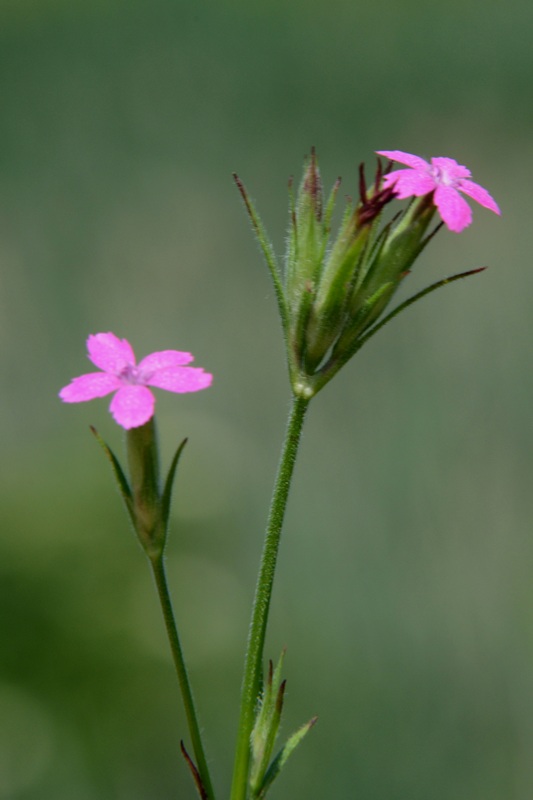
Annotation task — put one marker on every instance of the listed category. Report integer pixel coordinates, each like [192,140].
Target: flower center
[130,375]
[441,176]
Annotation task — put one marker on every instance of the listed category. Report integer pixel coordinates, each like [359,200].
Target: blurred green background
[404,593]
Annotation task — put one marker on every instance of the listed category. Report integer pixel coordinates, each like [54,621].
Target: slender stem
[263,593]
[158,569]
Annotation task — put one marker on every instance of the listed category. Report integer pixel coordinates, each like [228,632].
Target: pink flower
[446,178]
[133,403]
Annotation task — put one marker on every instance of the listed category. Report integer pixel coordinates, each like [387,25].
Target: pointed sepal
[118,472]
[166,497]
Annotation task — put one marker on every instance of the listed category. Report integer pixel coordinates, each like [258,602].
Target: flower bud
[342,266]
[352,268]
[306,235]
[383,270]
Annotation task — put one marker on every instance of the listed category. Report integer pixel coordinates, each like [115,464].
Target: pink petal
[181,379]
[405,158]
[162,360]
[478,193]
[454,210]
[408,182]
[110,353]
[132,406]
[89,386]
[450,167]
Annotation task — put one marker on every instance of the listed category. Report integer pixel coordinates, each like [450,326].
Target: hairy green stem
[158,569]
[263,593]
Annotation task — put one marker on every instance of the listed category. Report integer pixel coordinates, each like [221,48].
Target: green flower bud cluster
[334,290]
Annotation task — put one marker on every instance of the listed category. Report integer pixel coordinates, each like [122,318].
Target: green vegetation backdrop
[404,593]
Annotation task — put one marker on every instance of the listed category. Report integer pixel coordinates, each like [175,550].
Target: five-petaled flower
[443,176]
[133,403]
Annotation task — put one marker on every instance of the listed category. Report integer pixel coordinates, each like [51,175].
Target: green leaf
[281,758]
[200,788]
[276,678]
[267,724]
[418,296]
[350,348]
[167,491]
[268,250]
[291,254]
[122,482]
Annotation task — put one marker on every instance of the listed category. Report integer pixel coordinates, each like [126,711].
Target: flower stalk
[148,506]
[263,594]
[200,770]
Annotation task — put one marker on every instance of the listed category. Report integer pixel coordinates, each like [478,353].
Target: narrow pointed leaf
[330,205]
[292,236]
[260,732]
[418,296]
[333,367]
[194,772]
[281,758]
[167,491]
[266,699]
[273,730]
[326,227]
[120,477]
[276,678]
[267,724]
[263,753]
[267,249]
